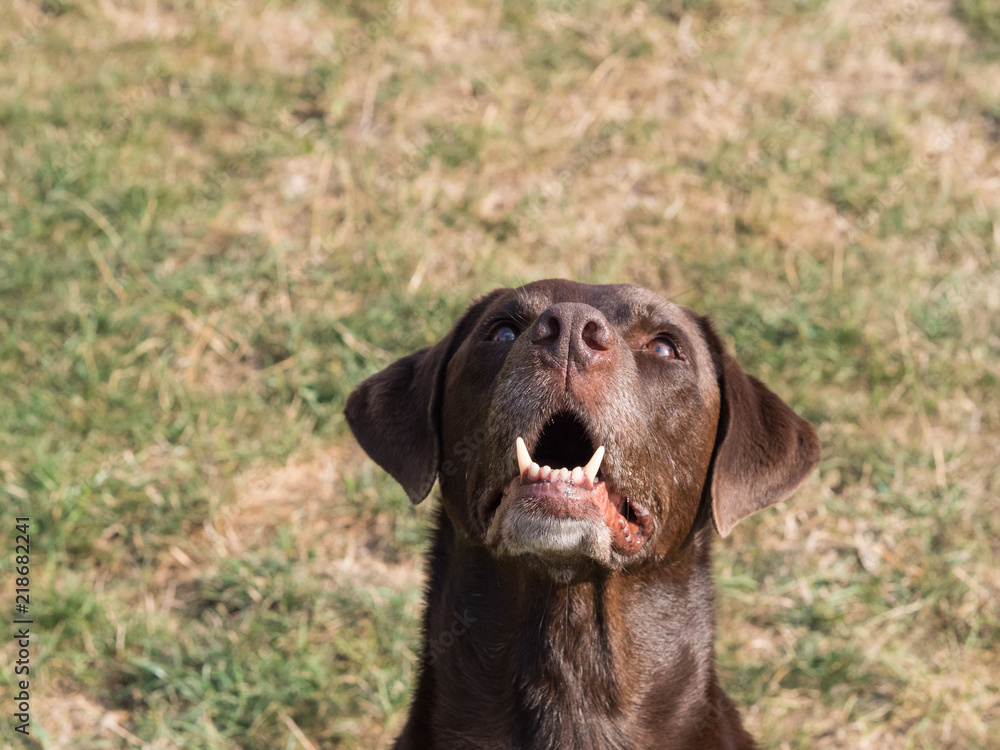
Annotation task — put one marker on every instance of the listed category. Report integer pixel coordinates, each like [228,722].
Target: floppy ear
[763,449]
[395,414]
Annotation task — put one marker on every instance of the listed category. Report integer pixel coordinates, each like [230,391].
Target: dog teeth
[594,464]
[534,472]
[523,457]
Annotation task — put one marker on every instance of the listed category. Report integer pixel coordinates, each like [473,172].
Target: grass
[216,218]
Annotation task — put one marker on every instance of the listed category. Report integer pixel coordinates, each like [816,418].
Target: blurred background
[216,217]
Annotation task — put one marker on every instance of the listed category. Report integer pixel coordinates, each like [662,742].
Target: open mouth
[562,478]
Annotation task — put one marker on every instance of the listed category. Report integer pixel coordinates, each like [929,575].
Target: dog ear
[395,414]
[763,449]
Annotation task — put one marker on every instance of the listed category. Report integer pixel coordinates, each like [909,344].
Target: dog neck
[604,660]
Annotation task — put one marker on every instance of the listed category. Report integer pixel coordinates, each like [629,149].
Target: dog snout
[573,333]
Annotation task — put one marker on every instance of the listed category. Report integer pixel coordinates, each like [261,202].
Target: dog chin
[517,531]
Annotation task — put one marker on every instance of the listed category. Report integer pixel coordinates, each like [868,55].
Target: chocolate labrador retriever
[587,439]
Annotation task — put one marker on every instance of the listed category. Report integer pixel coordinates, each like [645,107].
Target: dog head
[569,422]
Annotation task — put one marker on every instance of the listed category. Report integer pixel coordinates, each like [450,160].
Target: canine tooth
[594,464]
[577,476]
[533,470]
[523,457]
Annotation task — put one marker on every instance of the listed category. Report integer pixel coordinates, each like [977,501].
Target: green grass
[983,20]
[216,219]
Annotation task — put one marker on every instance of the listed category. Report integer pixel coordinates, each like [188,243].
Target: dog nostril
[547,331]
[595,336]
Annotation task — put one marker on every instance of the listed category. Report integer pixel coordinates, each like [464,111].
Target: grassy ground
[217,217]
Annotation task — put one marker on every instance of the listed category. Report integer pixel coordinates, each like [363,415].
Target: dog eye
[662,346]
[504,333]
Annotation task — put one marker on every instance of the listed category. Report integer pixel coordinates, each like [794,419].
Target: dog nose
[575,332]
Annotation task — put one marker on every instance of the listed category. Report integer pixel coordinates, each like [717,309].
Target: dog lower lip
[581,499]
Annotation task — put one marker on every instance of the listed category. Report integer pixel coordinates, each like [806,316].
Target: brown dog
[587,438]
